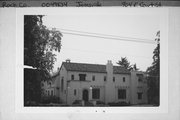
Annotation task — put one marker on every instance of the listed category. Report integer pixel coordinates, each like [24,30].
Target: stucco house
[95,82]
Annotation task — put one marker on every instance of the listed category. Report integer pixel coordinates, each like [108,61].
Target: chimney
[109,85]
[68,60]
[109,67]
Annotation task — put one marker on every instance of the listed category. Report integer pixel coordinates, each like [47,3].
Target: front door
[85,95]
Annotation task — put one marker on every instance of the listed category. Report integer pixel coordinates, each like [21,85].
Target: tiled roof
[55,74]
[95,68]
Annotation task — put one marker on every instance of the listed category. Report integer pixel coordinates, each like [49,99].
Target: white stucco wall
[99,82]
[108,88]
[88,84]
[63,75]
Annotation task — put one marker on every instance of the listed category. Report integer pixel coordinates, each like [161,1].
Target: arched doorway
[85,95]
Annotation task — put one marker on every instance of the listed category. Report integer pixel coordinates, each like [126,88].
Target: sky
[84,49]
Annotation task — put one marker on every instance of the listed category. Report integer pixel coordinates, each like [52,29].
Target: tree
[40,43]
[126,64]
[39,46]
[154,74]
[135,67]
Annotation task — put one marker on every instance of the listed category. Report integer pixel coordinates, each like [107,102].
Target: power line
[149,42]
[99,34]
[105,36]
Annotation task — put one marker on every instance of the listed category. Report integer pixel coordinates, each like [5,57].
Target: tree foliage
[126,64]
[154,74]
[39,43]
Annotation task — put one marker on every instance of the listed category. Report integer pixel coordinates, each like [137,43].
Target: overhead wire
[108,37]
[105,36]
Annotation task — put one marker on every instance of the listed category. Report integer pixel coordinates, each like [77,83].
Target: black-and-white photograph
[94,59]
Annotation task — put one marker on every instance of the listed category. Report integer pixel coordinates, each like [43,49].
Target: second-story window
[50,84]
[93,78]
[124,79]
[82,77]
[114,79]
[140,77]
[72,77]
[104,78]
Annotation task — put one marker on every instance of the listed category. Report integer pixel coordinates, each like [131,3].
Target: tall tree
[154,74]
[39,46]
[126,64]
[39,43]
[135,67]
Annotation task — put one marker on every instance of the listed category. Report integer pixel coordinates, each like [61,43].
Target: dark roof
[55,74]
[95,68]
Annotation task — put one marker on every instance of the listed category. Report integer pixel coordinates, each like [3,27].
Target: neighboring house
[139,87]
[94,82]
[51,86]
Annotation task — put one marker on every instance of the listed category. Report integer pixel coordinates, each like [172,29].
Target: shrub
[122,103]
[30,103]
[100,102]
[77,102]
[50,99]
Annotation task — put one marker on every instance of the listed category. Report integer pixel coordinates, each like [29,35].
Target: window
[93,78]
[82,77]
[75,92]
[51,92]
[114,79]
[124,79]
[72,77]
[104,78]
[140,77]
[121,93]
[139,95]
[139,80]
[62,84]
[48,92]
[50,84]
[95,93]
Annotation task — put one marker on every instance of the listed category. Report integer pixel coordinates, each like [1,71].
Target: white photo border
[19,83]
